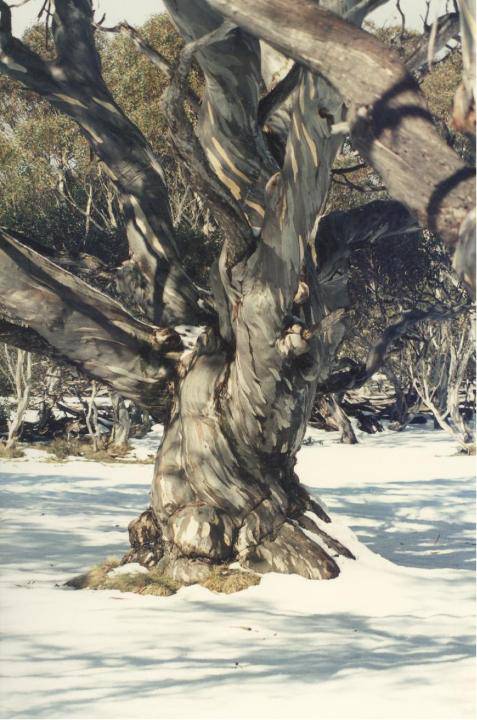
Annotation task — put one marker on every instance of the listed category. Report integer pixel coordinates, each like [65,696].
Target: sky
[139,10]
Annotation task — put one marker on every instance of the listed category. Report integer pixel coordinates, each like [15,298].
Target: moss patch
[10,453]
[225,580]
[61,449]
[152,583]
[155,582]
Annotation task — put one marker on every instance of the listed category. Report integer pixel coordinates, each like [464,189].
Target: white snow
[392,637]
[128,569]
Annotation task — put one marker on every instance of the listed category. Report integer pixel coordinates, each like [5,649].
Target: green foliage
[137,84]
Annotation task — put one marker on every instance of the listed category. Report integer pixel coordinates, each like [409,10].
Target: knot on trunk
[293,341]
[202,532]
[145,537]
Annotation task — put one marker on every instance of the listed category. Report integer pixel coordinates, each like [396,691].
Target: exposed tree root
[297,544]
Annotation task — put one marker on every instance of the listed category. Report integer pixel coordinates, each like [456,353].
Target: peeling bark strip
[73,83]
[227,210]
[390,123]
[228,130]
[224,485]
[95,333]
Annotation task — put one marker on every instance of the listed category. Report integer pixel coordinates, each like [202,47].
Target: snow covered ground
[392,637]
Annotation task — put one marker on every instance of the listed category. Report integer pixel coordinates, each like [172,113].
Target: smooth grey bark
[335,418]
[224,485]
[51,393]
[91,418]
[20,368]
[239,418]
[83,325]
[438,373]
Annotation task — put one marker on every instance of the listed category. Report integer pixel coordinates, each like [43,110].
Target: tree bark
[85,326]
[334,418]
[390,123]
[224,483]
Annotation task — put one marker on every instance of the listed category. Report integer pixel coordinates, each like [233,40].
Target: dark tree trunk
[402,411]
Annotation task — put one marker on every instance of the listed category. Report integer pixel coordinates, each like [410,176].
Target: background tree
[441,365]
[17,369]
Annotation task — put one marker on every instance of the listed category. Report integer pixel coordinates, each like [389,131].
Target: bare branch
[74,85]
[361,9]
[18,62]
[238,236]
[84,326]
[347,380]
[24,338]
[157,58]
[425,19]
[403,21]
[227,127]
[446,28]
[350,169]
[151,53]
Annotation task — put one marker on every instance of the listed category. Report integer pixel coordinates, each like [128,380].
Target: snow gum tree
[245,359]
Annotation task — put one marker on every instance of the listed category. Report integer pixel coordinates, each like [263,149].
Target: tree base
[296,547]
[219,579]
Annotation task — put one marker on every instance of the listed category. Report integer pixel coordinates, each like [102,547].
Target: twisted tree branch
[67,318]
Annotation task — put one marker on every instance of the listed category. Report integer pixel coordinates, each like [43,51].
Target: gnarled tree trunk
[330,412]
[224,484]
